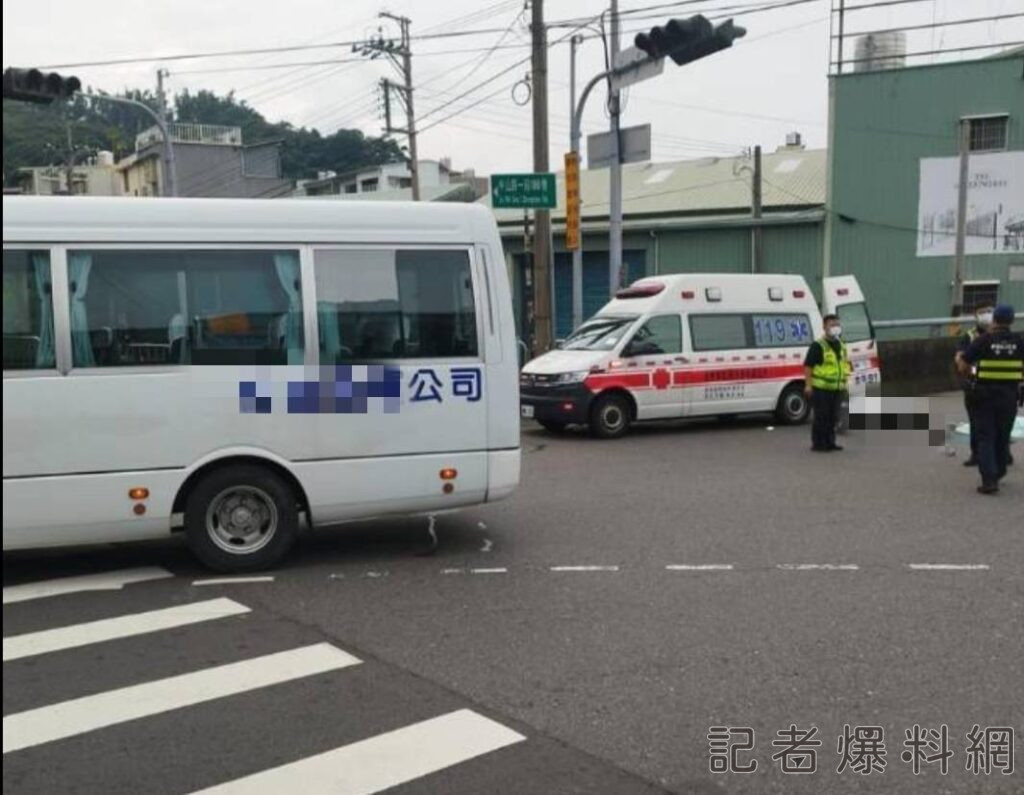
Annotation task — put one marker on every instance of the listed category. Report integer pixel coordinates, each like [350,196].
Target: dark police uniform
[999,358]
[968,383]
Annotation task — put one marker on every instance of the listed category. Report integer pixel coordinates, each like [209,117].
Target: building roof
[791,178]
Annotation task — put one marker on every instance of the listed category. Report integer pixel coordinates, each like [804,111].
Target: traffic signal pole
[161,123]
[615,171]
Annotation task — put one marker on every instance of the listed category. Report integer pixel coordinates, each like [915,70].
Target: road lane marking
[818,566]
[948,566]
[584,568]
[80,715]
[700,567]
[488,545]
[497,570]
[103,581]
[75,635]
[453,571]
[233,580]
[383,761]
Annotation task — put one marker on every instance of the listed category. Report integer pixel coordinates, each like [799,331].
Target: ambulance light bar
[640,290]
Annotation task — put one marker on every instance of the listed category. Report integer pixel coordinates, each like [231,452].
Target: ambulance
[691,345]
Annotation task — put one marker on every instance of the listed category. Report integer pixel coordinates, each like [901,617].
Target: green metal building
[893,173]
[687,216]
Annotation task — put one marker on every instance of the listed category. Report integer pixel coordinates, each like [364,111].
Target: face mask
[985,319]
[835,332]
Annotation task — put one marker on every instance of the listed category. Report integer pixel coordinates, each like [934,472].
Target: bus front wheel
[241,518]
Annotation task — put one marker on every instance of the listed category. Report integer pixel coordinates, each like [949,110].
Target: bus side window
[380,304]
[28,311]
[141,307]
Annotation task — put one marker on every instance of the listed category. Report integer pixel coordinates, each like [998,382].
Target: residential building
[210,160]
[97,177]
[393,182]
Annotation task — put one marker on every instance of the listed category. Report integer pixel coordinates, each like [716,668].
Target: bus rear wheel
[241,518]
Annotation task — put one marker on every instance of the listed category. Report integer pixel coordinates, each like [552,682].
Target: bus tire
[241,518]
[610,416]
[552,426]
[793,407]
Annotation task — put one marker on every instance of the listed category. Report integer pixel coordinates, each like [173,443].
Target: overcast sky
[770,83]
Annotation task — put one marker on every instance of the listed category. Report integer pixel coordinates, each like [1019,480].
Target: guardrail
[928,321]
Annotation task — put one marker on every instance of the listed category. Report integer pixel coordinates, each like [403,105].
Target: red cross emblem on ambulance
[661,379]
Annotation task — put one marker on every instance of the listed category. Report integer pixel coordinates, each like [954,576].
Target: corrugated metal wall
[883,124]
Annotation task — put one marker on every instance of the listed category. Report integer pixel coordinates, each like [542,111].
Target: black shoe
[988,488]
[816,449]
[971,462]
[834,448]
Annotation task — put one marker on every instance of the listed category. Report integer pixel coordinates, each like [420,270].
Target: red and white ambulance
[695,344]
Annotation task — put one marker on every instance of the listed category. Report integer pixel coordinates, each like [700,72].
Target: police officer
[826,371]
[999,361]
[982,321]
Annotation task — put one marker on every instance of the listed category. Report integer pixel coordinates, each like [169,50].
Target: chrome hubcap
[241,519]
[613,417]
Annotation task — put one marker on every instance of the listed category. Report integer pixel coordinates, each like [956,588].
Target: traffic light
[686,40]
[31,85]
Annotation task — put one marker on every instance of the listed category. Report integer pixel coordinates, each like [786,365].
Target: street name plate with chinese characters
[535,191]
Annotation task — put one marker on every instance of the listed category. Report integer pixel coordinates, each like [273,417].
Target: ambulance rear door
[843,297]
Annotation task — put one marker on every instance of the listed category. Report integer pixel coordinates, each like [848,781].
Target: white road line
[70,637]
[699,567]
[453,571]
[489,571]
[80,715]
[233,580]
[584,568]
[104,581]
[487,546]
[381,762]
[818,566]
[949,566]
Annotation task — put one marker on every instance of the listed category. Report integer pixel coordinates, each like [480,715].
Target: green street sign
[523,191]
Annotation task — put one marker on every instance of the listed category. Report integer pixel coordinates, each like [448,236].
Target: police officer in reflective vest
[999,361]
[982,321]
[826,371]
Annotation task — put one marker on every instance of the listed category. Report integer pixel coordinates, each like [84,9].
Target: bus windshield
[599,333]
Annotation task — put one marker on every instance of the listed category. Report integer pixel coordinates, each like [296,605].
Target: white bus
[231,367]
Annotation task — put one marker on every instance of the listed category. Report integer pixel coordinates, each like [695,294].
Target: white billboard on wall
[995,204]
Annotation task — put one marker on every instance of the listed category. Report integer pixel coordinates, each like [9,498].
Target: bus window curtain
[79,266]
[45,354]
[286,263]
[330,339]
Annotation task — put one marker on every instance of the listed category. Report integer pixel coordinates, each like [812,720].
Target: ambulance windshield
[600,333]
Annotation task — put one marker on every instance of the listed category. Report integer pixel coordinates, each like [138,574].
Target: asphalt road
[582,636]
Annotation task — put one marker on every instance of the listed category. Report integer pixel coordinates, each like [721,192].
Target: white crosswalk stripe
[68,718]
[62,638]
[368,765]
[104,581]
[383,761]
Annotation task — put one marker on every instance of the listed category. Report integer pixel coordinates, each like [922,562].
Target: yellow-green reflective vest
[1000,370]
[834,369]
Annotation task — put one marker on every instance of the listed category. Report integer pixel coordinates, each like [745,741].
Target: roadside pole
[615,170]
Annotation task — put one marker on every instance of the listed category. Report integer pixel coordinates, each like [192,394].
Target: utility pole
[839,41]
[542,217]
[756,263]
[961,217]
[160,95]
[615,178]
[404,66]
[574,146]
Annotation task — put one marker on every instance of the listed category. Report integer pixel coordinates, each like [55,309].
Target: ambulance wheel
[610,416]
[793,406]
[241,518]
[552,426]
